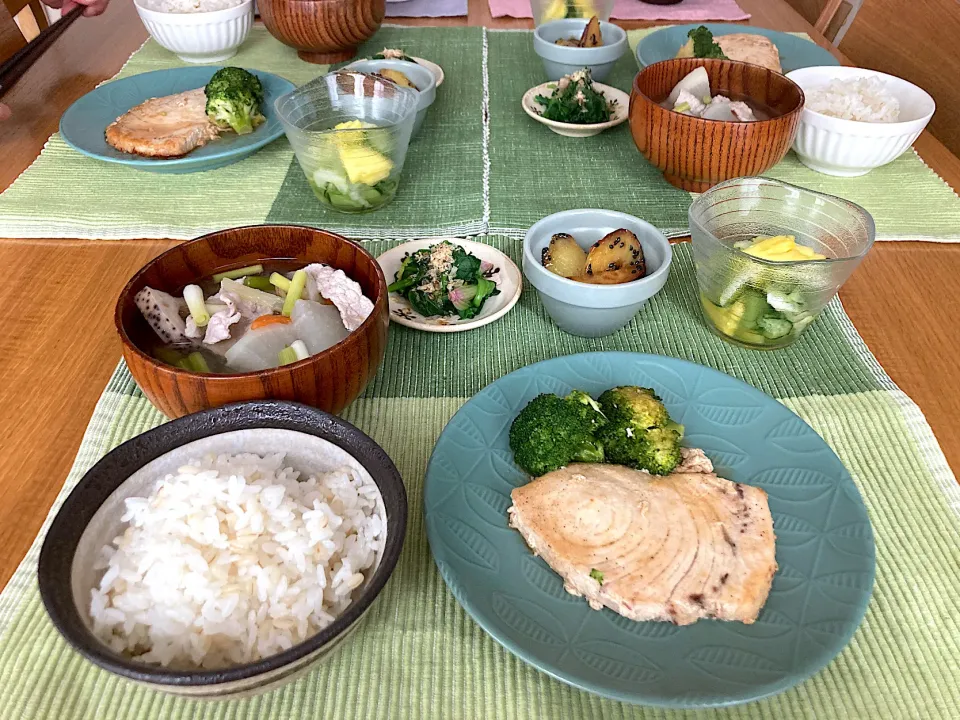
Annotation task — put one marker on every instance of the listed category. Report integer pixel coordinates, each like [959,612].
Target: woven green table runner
[418,656]
[479,166]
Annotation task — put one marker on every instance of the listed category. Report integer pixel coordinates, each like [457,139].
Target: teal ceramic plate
[83,124]
[795,52]
[825,548]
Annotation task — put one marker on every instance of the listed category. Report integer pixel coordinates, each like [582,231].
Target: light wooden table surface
[58,348]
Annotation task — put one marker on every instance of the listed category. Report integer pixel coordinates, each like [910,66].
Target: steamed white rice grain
[234,559]
[188,6]
[865,99]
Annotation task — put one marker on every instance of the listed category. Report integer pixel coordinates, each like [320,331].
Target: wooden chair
[836,18]
[11,39]
[29,15]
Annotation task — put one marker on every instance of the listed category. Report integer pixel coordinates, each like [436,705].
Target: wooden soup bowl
[329,380]
[696,154]
[322,31]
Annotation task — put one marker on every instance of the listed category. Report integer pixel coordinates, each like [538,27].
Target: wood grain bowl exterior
[329,380]
[322,31]
[695,154]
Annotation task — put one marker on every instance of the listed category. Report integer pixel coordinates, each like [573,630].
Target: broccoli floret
[663,451]
[704,45]
[588,409]
[551,432]
[234,100]
[639,406]
[656,450]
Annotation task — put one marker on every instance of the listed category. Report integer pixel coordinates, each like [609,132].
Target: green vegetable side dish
[576,101]
[704,46]
[355,172]
[443,280]
[627,425]
[235,100]
[754,309]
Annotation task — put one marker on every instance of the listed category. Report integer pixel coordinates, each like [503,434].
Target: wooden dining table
[58,346]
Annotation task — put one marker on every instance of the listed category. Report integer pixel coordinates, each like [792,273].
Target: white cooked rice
[188,6]
[864,99]
[234,559]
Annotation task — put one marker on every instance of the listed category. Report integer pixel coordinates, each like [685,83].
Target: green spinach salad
[444,279]
[575,100]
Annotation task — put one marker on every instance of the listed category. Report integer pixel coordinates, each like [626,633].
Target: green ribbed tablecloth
[419,656]
[479,165]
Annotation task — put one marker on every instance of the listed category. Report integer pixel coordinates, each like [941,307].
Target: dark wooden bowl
[695,154]
[329,380]
[322,31]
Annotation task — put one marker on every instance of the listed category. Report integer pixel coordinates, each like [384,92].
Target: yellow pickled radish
[782,248]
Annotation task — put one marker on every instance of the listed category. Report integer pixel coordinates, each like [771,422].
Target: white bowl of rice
[198,31]
[855,120]
[223,553]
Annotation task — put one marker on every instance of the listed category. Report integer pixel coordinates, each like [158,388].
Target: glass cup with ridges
[350,133]
[766,304]
[547,10]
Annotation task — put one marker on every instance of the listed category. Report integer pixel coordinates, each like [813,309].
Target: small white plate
[432,67]
[505,274]
[620,110]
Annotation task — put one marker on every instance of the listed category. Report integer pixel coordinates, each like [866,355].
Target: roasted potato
[398,77]
[567,42]
[610,277]
[564,256]
[591,34]
[620,249]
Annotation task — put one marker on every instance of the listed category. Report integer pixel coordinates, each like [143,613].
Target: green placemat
[419,656]
[441,190]
[907,199]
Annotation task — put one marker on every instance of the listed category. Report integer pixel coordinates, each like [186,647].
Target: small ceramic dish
[505,274]
[419,75]
[311,440]
[200,37]
[432,67]
[560,60]
[594,310]
[621,110]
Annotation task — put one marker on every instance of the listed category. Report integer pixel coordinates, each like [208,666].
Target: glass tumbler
[350,132]
[547,10]
[765,304]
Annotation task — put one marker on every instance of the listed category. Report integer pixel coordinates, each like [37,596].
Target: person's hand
[4,111]
[93,7]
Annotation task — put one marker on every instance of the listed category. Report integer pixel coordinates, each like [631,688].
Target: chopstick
[14,68]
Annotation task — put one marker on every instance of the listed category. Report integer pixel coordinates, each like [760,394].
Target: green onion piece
[300,348]
[193,296]
[287,355]
[239,272]
[198,363]
[596,575]
[295,290]
[280,281]
[681,107]
[183,364]
[258,282]
[168,356]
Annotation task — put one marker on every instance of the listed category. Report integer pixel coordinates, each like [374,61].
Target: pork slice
[676,548]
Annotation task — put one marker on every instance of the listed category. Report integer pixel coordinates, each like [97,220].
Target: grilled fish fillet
[678,548]
[168,126]
[745,47]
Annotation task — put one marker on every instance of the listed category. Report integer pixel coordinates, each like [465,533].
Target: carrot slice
[265,320]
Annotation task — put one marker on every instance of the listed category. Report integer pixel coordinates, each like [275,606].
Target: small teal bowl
[420,76]
[594,310]
[559,60]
